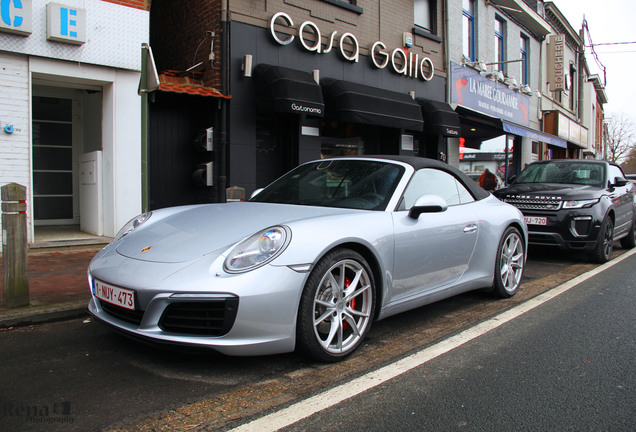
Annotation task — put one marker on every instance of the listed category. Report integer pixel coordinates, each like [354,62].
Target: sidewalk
[58,287]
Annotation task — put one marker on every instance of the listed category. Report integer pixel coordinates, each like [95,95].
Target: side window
[435,182]
[614,172]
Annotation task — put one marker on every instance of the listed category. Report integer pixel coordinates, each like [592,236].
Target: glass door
[53,187]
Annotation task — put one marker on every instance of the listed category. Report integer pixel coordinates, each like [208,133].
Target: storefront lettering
[402,62]
[410,65]
[556,62]
[559,81]
[15,17]
[63,24]
[477,92]
[306,109]
[494,94]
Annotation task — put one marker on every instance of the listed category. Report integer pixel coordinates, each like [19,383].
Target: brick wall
[137,4]
[181,37]
[380,20]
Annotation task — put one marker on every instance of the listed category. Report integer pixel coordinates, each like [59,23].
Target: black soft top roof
[420,162]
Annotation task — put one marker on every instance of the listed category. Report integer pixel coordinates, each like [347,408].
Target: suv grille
[210,317]
[534,203]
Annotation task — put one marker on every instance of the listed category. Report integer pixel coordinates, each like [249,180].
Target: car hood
[182,234]
[551,190]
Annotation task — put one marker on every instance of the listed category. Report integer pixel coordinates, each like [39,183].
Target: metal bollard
[15,278]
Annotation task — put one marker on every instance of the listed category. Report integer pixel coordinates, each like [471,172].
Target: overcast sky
[609,21]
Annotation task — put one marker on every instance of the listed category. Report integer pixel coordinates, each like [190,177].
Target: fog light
[581,225]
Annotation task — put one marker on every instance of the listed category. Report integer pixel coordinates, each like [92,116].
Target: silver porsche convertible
[309,262]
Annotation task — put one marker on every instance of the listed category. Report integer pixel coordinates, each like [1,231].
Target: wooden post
[15,266]
[235,193]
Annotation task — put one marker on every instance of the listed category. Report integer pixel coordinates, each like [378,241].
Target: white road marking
[329,398]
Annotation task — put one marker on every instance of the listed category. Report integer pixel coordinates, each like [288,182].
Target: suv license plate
[536,220]
[118,296]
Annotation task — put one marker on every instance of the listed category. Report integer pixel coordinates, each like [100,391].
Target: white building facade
[70,112]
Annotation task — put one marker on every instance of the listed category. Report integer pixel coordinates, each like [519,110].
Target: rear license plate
[536,220]
[118,296]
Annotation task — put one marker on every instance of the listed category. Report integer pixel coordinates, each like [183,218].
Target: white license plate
[536,220]
[118,296]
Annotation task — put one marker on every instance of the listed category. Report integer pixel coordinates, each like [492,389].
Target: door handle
[471,227]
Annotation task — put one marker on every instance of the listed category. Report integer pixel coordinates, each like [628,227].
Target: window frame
[524,50]
[500,44]
[468,16]
[346,4]
[424,5]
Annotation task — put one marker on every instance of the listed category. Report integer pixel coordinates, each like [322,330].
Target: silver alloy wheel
[511,262]
[342,306]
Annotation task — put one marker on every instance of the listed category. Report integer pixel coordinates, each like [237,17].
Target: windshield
[357,184]
[566,173]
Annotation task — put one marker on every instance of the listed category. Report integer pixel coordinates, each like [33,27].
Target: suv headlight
[257,250]
[579,203]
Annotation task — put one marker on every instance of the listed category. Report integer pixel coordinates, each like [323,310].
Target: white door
[90,175]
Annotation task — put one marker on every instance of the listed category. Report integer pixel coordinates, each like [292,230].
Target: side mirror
[428,204]
[620,182]
[256,192]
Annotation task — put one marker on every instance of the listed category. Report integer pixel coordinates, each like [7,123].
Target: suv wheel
[630,241]
[605,243]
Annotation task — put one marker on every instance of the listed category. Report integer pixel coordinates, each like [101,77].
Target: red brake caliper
[352,304]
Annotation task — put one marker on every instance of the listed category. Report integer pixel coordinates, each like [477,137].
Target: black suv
[575,204]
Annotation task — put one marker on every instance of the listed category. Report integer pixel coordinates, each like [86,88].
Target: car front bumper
[574,230]
[260,309]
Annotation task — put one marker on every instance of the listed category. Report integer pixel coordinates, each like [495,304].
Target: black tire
[509,264]
[605,243]
[337,306]
[630,241]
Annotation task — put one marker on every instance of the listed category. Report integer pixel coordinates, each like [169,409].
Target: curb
[29,315]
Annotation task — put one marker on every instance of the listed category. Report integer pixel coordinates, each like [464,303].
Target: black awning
[439,118]
[285,90]
[357,103]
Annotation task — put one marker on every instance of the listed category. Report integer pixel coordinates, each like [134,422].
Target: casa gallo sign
[402,62]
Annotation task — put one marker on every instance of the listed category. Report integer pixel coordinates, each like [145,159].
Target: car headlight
[579,204]
[132,224]
[258,250]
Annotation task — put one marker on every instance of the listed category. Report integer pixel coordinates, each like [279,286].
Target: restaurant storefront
[488,108]
[296,99]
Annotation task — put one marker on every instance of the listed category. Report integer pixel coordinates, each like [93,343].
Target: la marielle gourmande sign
[410,64]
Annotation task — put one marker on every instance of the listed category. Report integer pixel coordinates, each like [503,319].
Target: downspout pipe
[580,54]
[224,104]
[145,175]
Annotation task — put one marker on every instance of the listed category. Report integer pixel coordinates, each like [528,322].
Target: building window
[468,21]
[351,5]
[422,13]
[572,87]
[500,53]
[524,46]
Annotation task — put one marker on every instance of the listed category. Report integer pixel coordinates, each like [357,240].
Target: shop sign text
[556,63]
[15,17]
[402,62]
[474,91]
[63,23]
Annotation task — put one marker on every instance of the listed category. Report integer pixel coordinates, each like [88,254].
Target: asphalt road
[77,375]
[566,365]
